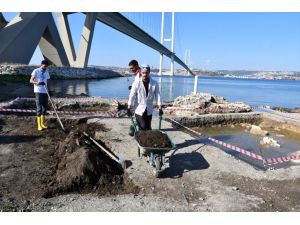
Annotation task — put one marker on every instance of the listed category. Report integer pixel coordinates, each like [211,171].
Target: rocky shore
[60,72]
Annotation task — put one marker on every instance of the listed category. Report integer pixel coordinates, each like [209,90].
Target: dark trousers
[41,100]
[144,121]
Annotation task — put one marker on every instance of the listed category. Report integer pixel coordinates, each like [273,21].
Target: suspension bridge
[20,37]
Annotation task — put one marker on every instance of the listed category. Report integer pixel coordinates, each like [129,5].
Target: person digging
[39,79]
[145,89]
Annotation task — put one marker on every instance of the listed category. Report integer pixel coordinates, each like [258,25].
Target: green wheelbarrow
[156,156]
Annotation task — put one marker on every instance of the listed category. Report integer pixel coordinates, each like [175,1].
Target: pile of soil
[45,164]
[153,139]
[83,167]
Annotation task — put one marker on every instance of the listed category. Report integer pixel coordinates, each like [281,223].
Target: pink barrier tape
[103,113]
[66,99]
[18,110]
[279,160]
[295,116]
[237,149]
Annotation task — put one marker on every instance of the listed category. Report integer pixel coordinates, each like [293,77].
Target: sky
[217,41]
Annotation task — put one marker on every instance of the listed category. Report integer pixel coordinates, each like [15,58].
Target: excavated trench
[236,130]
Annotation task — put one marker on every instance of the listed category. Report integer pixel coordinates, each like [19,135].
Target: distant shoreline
[103,72]
[207,76]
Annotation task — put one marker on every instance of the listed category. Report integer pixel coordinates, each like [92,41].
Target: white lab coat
[144,101]
[136,78]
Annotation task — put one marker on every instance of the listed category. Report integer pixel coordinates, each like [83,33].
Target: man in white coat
[145,90]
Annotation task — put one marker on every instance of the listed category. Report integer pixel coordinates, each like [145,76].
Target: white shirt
[143,100]
[40,76]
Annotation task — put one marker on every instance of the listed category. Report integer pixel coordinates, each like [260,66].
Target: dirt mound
[48,163]
[154,139]
[82,166]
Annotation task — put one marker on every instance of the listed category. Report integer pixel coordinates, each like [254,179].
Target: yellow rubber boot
[39,123]
[43,120]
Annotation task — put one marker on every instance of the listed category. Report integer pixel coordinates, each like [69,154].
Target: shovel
[54,108]
[110,154]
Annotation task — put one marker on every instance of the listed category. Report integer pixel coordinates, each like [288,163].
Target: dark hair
[45,62]
[133,63]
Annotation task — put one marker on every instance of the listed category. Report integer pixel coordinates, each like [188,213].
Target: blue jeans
[41,100]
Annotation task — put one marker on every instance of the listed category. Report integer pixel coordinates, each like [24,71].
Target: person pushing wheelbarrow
[145,90]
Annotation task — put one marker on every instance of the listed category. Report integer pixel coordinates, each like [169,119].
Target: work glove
[129,87]
[41,83]
[129,114]
[160,112]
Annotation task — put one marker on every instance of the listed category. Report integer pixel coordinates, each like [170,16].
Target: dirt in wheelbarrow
[44,164]
[153,139]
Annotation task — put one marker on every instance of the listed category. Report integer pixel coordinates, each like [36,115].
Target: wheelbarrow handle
[159,123]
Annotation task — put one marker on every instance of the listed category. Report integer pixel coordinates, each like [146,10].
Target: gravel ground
[201,177]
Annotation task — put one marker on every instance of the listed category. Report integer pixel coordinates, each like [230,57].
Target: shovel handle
[54,108]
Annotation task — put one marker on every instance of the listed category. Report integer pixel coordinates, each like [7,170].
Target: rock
[191,102]
[208,97]
[220,100]
[205,103]
[256,130]
[229,108]
[270,142]
[235,188]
